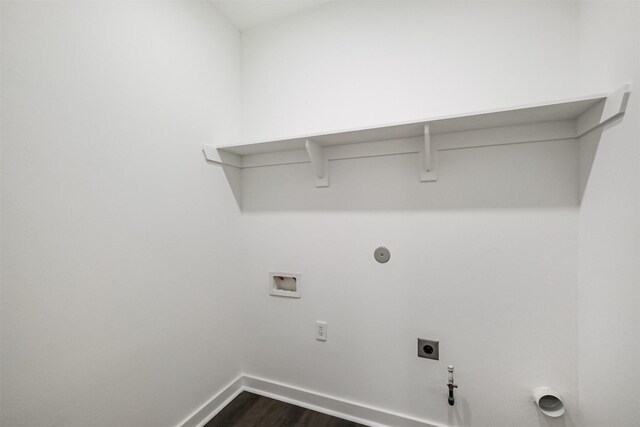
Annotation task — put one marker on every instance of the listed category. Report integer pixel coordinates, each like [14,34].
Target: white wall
[483,260]
[609,292]
[118,240]
[124,257]
[353,63]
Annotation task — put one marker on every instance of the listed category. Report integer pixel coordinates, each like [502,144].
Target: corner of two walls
[104,187]
[119,250]
[609,249]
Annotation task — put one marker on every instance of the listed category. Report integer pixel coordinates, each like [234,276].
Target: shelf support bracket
[221,157]
[231,166]
[319,162]
[604,112]
[591,125]
[428,170]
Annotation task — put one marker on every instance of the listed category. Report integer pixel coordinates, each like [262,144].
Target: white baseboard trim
[348,410]
[341,408]
[214,405]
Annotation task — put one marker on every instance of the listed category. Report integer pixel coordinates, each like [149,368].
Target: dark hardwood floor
[249,410]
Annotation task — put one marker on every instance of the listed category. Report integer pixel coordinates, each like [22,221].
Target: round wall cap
[382,254]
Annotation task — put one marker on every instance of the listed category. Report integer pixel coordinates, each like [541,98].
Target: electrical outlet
[321,331]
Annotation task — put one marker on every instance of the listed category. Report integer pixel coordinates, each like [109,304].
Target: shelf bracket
[319,162]
[231,166]
[428,170]
[590,126]
[604,112]
[221,157]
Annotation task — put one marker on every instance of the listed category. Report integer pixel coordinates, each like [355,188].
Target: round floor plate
[382,254]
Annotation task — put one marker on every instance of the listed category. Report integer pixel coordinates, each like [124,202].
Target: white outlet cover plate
[321,330]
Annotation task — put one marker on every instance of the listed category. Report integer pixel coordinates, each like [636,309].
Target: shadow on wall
[540,174]
[565,420]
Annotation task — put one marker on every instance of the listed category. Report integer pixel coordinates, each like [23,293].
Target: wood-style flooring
[251,410]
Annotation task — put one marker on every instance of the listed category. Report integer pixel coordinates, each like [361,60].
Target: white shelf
[558,120]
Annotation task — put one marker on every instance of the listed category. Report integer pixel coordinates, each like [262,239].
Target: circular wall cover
[382,254]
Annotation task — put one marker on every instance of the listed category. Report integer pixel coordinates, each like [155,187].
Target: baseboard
[348,410]
[214,405]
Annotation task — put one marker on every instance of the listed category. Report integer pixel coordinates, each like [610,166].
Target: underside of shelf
[562,120]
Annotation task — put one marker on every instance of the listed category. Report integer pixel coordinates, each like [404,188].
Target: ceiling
[245,14]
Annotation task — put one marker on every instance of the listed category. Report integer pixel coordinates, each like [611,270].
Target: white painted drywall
[118,278]
[609,292]
[250,13]
[485,260]
[353,64]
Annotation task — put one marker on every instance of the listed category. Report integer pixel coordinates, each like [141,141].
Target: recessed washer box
[284,284]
